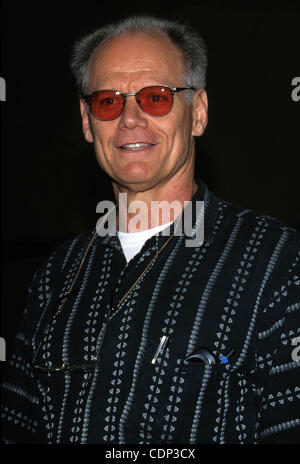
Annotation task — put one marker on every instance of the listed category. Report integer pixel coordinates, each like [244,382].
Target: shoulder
[267,232]
[62,260]
[258,245]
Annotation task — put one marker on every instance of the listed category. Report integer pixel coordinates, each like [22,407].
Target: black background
[51,182]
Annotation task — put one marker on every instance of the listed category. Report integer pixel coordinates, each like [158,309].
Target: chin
[135,175]
[136,183]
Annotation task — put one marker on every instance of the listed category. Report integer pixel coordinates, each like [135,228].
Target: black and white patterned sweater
[237,294]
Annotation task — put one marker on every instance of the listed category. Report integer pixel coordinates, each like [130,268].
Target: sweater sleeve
[278,360]
[20,406]
[24,409]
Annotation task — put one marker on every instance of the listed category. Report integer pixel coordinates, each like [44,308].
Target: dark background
[51,182]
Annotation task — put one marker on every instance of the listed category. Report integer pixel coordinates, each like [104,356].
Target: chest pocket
[168,392]
[163,393]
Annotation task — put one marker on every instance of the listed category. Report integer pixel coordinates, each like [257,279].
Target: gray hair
[181,35]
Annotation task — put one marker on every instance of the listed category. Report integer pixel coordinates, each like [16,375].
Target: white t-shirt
[132,243]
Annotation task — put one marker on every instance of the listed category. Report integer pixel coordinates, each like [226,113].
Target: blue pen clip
[225,359]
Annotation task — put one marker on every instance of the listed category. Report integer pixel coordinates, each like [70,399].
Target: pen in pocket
[163,341]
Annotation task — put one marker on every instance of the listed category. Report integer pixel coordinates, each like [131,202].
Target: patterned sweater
[235,298]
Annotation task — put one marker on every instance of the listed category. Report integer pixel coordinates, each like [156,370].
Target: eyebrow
[143,87]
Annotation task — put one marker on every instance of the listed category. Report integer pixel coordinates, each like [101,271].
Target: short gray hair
[187,40]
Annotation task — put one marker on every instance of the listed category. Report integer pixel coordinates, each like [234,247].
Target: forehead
[136,58]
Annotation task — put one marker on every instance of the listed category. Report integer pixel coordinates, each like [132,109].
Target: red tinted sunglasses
[155,100]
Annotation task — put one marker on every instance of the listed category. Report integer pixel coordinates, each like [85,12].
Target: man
[147,335]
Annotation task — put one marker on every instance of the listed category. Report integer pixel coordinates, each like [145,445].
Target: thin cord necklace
[111,310]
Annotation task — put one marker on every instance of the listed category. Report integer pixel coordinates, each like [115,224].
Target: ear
[86,127]
[200,105]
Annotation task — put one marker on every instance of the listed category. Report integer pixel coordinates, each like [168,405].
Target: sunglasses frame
[88,98]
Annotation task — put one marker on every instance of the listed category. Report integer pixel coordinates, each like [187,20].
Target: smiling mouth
[136,146]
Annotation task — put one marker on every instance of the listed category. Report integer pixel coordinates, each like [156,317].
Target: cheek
[180,130]
[101,151]
[102,136]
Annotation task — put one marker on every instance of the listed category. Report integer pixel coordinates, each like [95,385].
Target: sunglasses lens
[155,100]
[106,104]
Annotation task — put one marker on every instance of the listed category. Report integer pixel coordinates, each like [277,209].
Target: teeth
[136,146]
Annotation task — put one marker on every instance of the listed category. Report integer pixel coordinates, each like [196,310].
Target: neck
[144,209]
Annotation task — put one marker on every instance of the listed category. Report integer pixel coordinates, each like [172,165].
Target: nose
[132,115]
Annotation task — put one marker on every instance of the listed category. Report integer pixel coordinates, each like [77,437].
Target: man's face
[129,63]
